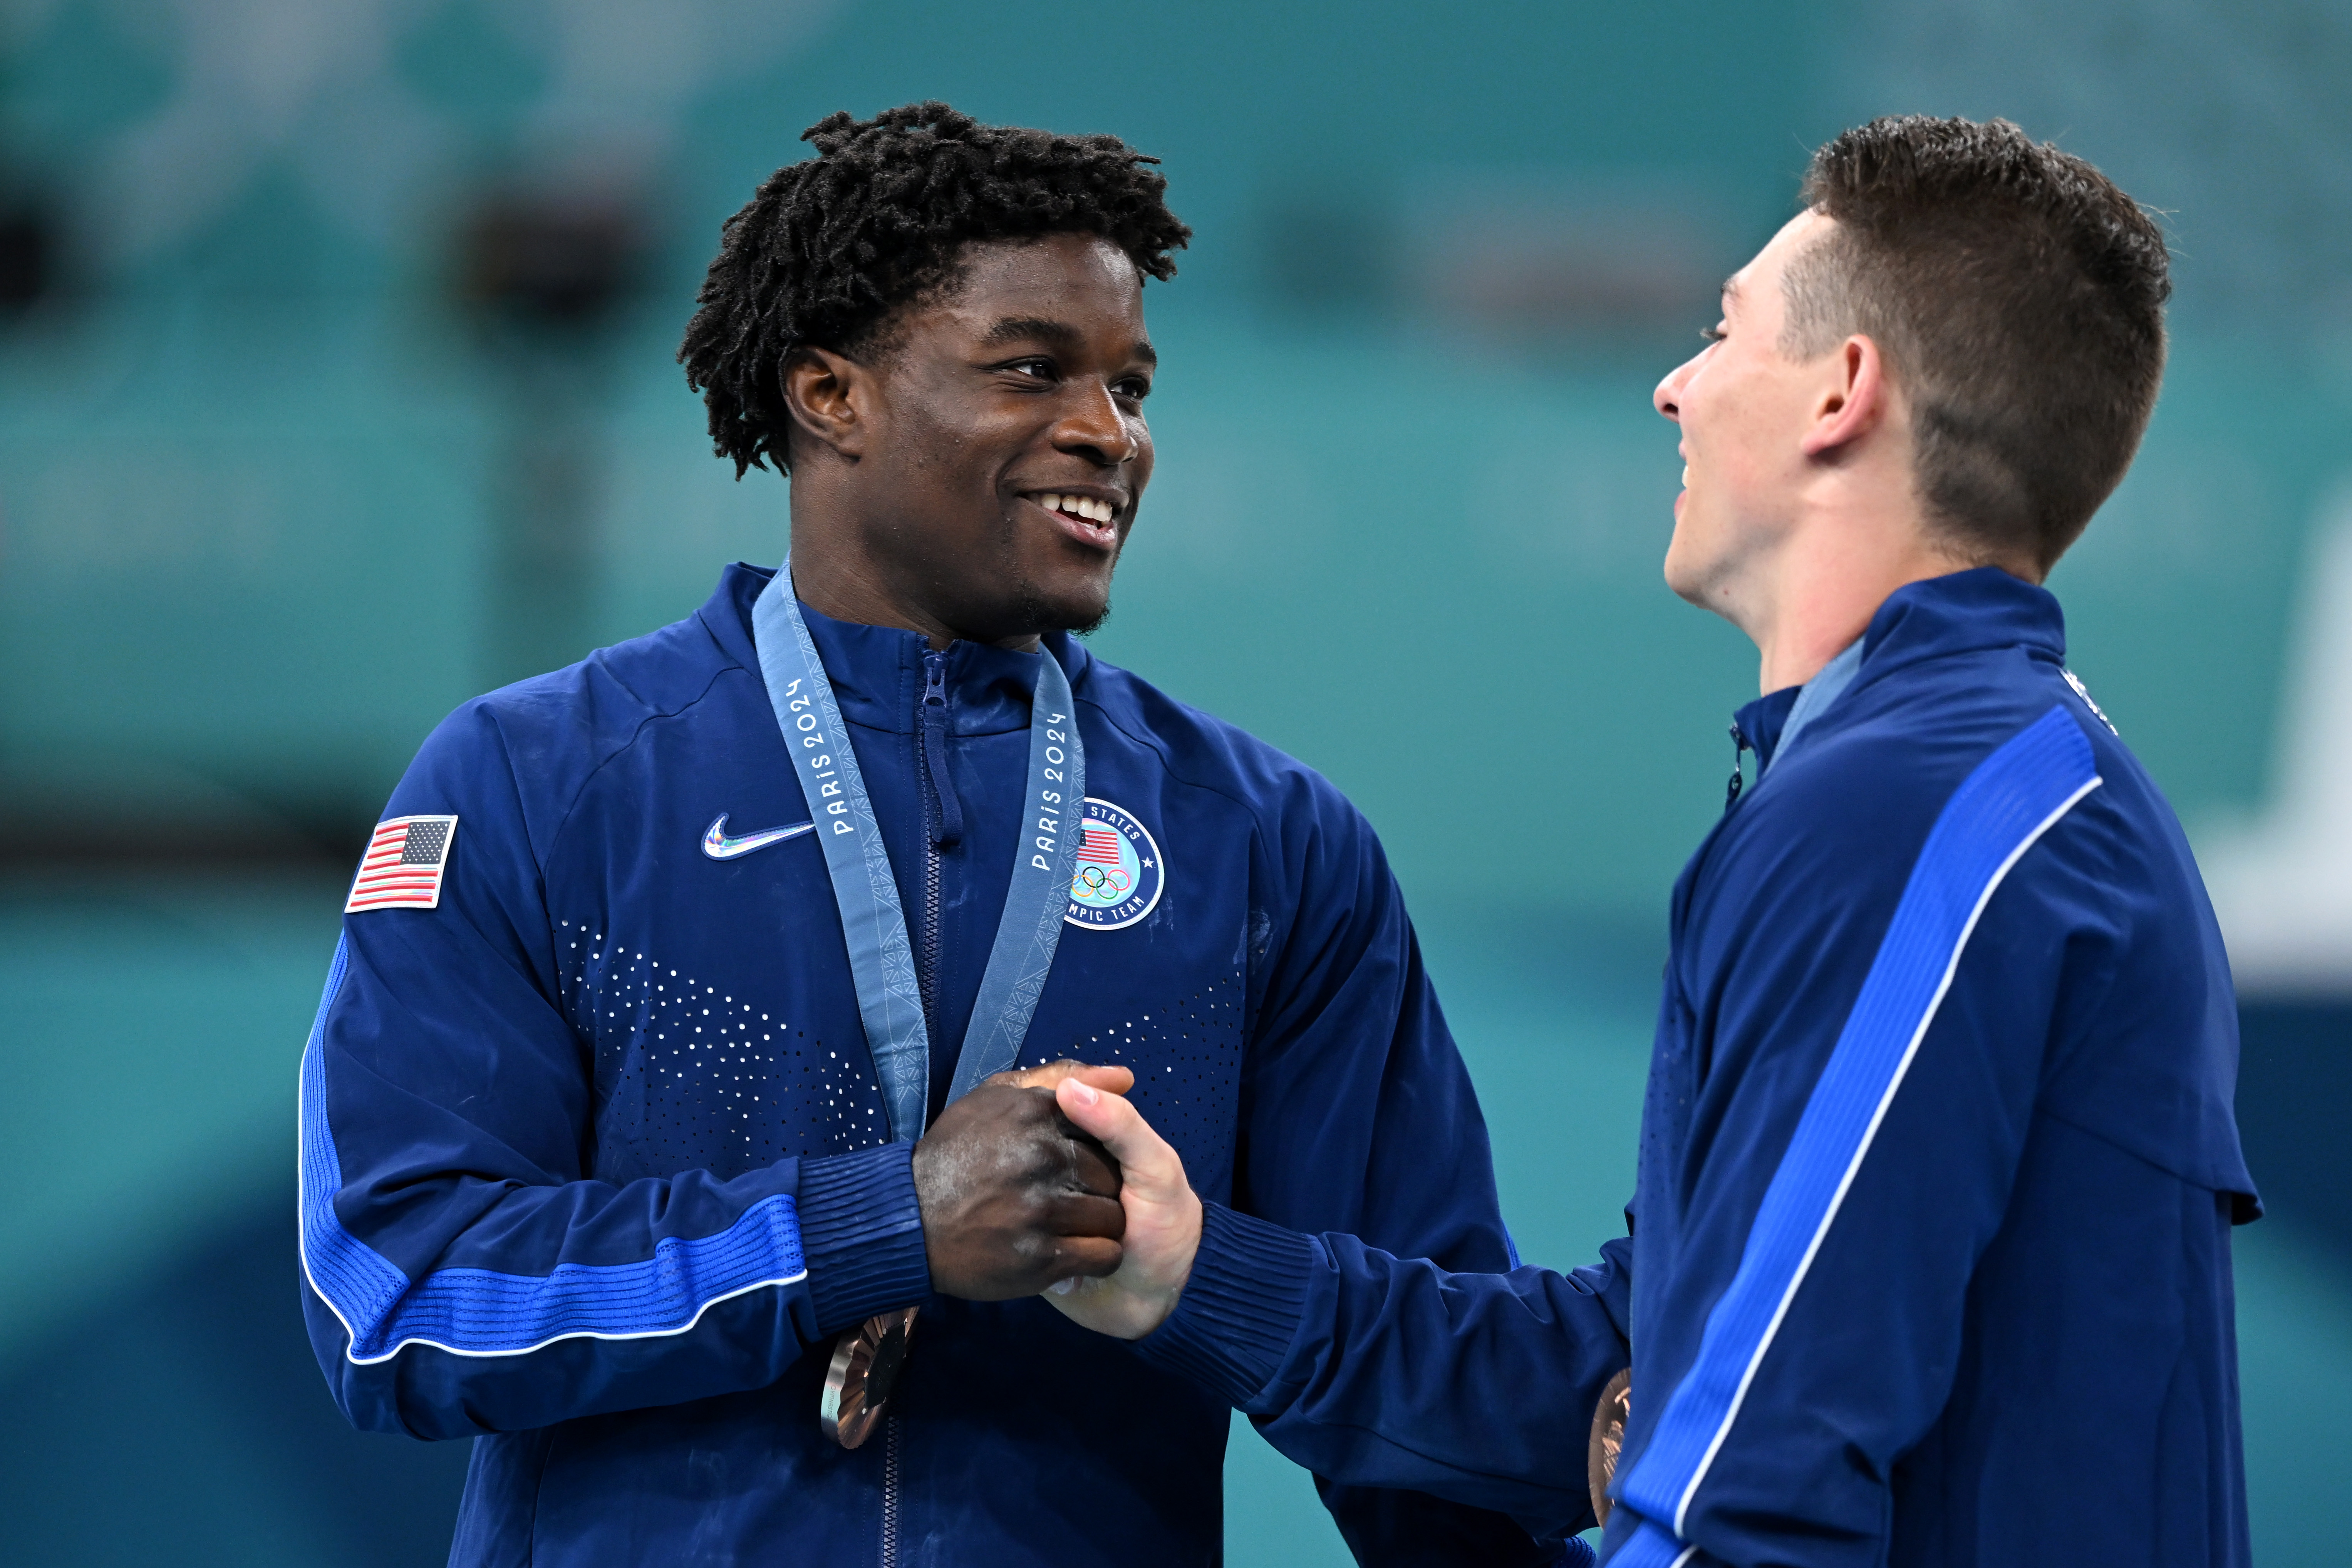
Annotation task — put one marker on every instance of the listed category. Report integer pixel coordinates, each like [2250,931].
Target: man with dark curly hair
[677,1123]
[1930,1256]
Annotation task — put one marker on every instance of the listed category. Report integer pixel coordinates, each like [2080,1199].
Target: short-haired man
[665,962]
[1939,1164]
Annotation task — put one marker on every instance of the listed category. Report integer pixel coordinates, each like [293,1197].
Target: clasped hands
[1047,1181]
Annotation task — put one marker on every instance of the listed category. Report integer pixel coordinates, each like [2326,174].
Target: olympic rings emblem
[1099,882]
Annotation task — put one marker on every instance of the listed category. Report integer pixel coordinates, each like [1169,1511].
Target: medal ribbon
[873,922]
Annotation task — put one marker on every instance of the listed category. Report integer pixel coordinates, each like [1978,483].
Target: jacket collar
[1757,725]
[878,671]
[1961,613]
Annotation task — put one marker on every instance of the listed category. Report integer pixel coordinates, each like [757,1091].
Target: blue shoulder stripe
[2012,797]
[479,1311]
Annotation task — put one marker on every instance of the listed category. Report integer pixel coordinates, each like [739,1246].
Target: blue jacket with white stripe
[1937,1170]
[595,1164]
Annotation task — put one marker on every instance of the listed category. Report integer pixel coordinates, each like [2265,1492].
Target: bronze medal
[1608,1436]
[866,1362]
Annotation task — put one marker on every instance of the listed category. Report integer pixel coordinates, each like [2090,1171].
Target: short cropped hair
[2018,296]
[832,248]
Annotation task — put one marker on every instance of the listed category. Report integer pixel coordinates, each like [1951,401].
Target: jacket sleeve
[1360,1118]
[464,1271]
[1865,1150]
[1387,1372]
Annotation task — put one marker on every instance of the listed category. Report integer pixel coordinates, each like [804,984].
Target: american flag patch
[403,867]
[1099,844]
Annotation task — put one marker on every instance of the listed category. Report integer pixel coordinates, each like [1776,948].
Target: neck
[849,585]
[1817,592]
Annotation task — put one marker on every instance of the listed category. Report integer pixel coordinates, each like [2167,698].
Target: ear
[1855,397]
[831,398]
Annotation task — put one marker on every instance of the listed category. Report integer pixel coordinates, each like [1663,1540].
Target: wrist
[1168,1291]
[1240,1307]
[862,1231]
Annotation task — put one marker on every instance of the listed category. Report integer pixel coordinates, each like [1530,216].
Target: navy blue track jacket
[1931,1255]
[595,1162]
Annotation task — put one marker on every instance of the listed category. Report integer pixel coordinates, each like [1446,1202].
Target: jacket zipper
[890,1492]
[942,830]
[942,824]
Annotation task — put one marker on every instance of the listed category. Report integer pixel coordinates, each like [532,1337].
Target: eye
[1715,334]
[1038,368]
[1136,388]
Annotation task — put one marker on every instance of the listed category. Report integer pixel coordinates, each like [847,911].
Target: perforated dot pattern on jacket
[1186,1055]
[693,1073]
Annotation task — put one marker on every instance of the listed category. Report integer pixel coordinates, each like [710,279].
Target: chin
[1680,579]
[1680,583]
[1692,569]
[1063,607]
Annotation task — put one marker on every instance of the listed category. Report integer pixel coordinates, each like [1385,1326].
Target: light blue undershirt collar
[1817,693]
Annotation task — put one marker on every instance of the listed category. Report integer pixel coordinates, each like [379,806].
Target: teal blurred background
[336,386]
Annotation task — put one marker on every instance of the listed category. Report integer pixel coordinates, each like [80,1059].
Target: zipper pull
[1739,749]
[950,832]
[935,684]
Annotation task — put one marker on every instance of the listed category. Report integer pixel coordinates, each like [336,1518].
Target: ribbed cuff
[1240,1312]
[862,1230]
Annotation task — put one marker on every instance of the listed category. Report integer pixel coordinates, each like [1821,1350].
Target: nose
[1093,426]
[1667,397]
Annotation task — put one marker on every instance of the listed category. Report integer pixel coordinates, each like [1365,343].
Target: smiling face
[1000,449]
[1744,406]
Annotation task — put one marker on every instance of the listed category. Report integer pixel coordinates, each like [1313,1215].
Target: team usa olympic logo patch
[1119,874]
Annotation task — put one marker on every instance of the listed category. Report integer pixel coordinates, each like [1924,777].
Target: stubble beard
[1037,609]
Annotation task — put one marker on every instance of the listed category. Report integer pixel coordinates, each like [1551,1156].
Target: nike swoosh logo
[719,847]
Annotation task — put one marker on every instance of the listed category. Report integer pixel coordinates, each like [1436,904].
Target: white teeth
[1085,506]
[1686,475]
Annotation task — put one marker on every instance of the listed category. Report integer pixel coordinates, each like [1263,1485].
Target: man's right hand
[1014,1197]
[1163,1220]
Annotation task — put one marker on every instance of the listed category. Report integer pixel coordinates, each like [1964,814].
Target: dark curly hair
[2019,296]
[832,248]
